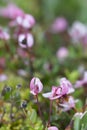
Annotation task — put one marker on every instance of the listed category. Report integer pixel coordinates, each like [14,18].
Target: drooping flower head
[65,88]
[67,105]
[54,94]
[35,86]
[26,40]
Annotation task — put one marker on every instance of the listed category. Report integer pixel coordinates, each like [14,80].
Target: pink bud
[3,77]
[35,86]
[59,25]
[62,53]
[52,128]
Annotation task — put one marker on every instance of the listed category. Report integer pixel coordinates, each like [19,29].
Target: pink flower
[35,86]
[67,105]
[4,35]
[81,82]
[27,21]
[54,94]
[77,31]
[26,40]
[66,86]
[57,92]
[52,128]
[59,25]
[3,77]
[62,53]
[11,11]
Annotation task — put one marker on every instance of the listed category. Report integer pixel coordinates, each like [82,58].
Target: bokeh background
[46,65]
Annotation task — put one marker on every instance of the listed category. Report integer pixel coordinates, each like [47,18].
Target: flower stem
[50,111]
[30,62]
[39,107]
[8,48]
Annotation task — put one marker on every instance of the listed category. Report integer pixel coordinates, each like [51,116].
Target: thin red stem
[39,107]
[50,111]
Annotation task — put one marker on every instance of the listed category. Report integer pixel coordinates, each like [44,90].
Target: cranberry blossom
[26,40]
[57,92]
[52,128]
[35,86]
[67,105]
[27,21]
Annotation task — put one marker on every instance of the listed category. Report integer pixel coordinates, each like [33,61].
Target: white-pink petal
[52,128]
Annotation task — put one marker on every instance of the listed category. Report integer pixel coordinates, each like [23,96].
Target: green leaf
[33,116]
[77,123]
[84,121]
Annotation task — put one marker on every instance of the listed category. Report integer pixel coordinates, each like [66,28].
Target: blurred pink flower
[62,53]
[47,66]
[2,62]
[52,128]
[67,105]
[84,40]
[26,40]
[11,11]
[59,25]
[4,35]
[27,21]
[3,77]
[57,92]
[78,31]
[82,82]
[35,86]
